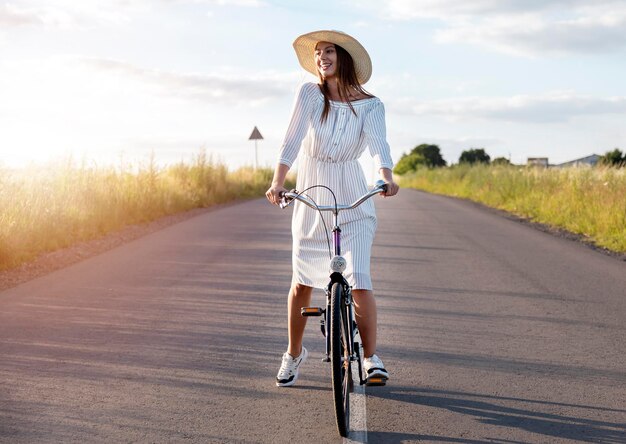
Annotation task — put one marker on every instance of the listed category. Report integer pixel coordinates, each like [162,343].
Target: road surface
[492,331]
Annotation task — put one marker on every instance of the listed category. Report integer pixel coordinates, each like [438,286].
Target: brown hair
[346,79]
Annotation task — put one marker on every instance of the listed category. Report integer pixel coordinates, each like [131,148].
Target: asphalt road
[492,331]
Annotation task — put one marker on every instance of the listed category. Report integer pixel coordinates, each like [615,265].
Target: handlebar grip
[284,200]
[381,184]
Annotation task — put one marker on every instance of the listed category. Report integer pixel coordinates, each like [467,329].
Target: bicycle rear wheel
[340,360]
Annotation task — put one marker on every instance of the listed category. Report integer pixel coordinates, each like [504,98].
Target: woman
[332,124]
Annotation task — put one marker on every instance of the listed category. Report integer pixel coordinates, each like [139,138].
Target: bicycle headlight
[338,264]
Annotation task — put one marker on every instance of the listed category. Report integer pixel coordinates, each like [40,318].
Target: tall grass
[44,209]
[587,201]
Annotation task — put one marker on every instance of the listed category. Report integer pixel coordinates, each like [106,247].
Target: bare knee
[362,295]
[364,303]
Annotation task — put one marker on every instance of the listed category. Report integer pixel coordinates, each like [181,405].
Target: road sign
[256,135]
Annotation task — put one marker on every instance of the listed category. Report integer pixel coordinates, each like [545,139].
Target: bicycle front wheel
[340,359]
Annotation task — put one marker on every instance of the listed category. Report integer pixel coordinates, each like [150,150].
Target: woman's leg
[299,296]
[365,311]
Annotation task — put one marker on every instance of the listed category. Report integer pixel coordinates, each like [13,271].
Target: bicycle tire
[340,360]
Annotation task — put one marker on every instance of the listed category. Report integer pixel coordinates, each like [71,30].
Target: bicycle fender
[337,277]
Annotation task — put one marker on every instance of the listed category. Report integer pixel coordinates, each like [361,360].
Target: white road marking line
[358,411]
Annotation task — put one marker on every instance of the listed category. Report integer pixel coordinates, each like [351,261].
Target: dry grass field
[48,208]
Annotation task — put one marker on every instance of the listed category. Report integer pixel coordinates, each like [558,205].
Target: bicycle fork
[350,326]
[354,347]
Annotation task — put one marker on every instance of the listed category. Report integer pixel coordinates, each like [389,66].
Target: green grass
[586,201]
[44,209]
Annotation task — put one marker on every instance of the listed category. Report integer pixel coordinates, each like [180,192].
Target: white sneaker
[374,367]
[288,373]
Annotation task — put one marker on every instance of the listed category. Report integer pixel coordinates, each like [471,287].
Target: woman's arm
[298,126]
[278,183]
[296,131]
[376,134]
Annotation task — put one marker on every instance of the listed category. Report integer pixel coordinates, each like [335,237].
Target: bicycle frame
[337,266]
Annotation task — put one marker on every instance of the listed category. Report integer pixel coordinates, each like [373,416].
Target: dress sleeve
[376,136]
[297,127]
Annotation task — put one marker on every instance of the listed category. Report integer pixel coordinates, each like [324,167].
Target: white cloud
[221,87]
[532,34]
[100,107]
[73,14]
[246,3]
[14,16]
[236,3]
[552,107]
[529,27]
[451,10]
[68,14]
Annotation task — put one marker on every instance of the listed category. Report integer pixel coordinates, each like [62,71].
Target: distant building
[537,161]
[591,160]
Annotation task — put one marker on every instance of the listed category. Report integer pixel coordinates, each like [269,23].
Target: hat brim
[305,48]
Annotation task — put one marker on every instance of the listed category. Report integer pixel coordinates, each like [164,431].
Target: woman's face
[326,59]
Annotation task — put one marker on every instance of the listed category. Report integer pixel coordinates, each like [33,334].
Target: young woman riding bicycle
[332,124]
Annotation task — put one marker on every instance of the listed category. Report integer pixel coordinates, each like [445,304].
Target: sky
[110,81]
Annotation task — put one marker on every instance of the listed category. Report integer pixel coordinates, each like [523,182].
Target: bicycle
[338,323]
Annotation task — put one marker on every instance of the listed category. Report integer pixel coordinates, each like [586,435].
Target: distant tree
[474,155]
[432,155]
[422,155]
[409,162]
[501,161]
[613,158]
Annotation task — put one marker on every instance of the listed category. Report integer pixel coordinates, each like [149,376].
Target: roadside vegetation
[45,209]
[589,201]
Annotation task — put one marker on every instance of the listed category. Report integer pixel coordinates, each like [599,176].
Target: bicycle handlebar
[287,197]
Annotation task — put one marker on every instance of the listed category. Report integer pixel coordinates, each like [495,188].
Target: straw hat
[305,48]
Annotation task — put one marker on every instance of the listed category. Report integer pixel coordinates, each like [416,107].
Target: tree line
[429,156]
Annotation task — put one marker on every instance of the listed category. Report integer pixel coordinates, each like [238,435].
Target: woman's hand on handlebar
[392,188]
[387,176]
[273,194]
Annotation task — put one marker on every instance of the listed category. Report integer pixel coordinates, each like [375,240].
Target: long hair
[346,79]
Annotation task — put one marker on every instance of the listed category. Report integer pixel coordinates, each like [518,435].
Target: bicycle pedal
[376,381]
[311,311]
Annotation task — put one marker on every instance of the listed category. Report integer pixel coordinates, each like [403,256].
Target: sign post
[256,135]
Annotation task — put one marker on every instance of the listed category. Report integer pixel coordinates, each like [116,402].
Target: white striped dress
[328,155]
